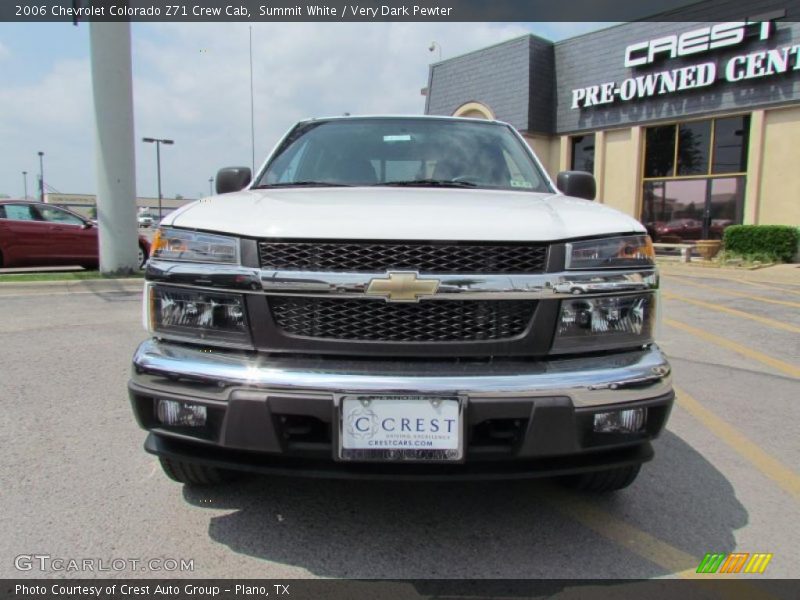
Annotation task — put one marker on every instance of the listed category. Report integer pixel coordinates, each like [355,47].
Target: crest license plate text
[416,428]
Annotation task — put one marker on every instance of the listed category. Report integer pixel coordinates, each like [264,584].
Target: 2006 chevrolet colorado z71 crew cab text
[402,297]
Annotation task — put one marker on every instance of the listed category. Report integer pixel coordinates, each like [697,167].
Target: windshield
[403,152]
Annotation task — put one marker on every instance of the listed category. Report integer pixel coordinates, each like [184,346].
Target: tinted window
[731,138]
[21,212]
[659,158]
[691,209]
[694,142]
[55,215]
[583,153]
[726,204]
[402,151]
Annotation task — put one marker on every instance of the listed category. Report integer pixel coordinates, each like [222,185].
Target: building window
[694,146]
[683,210]
[730,144]
[583,153]
[660,154]
[694,178]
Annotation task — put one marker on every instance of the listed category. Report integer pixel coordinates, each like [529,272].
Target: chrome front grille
[423,257]
[375,320]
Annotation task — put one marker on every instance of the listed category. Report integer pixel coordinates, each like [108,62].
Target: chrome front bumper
[281,415]
[586,381]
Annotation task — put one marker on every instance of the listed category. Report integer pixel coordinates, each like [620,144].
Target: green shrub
[777,241]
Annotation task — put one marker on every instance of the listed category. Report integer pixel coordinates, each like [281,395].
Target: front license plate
[400,428]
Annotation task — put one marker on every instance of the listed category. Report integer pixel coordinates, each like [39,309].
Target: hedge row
[779,241]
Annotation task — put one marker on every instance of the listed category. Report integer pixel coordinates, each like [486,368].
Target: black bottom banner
[420,589]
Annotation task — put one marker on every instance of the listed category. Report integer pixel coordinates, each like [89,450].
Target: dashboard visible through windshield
[403,152]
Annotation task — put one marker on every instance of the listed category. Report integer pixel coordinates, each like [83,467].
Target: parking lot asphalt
[76,482]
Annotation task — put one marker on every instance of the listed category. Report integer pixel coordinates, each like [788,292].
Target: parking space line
[740,294]
[734,312]
[71,293]
[650,548]
[629,537]
[775,363]
[768,287]
[784,476]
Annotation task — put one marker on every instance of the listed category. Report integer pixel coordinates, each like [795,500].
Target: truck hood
[402,214]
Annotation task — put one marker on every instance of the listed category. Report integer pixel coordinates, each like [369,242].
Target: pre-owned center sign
[762,63]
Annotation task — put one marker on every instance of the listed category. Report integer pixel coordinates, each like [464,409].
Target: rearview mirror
[577,183]
[232,179]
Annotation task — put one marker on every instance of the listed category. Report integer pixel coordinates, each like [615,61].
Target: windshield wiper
[300,184]
[430,182]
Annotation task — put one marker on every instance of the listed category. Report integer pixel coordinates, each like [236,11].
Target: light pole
[158,142]
[41,176]
[252,108]
[25,182]
[210,181]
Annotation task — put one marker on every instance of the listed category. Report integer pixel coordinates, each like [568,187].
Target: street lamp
[158,143]
[210,181]
[25,181]
[435,45]
[41,176]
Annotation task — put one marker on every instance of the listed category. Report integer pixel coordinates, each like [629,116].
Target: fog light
[620,421]
[184,414]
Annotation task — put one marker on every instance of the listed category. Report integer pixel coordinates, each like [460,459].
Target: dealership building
[687,125]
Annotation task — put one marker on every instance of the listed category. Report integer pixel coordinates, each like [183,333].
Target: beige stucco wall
[778,200]
[554,159]
[617,166]
[547,149]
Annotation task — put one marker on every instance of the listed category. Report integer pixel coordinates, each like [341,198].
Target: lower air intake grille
[380,321]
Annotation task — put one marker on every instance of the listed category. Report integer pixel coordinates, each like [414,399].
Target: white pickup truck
[401,297]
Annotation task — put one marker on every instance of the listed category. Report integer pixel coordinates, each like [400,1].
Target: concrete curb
[76,286]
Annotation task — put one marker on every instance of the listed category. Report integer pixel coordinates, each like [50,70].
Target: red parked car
[39,234]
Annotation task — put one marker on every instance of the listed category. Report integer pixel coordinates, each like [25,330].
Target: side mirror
[232,179]
[577,183]
[87,225]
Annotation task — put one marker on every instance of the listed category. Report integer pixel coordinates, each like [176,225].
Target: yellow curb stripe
[734,312]
[725,292]
[785,477]
[778,365]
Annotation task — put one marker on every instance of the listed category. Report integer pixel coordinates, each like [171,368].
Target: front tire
[194,474]
[609,480]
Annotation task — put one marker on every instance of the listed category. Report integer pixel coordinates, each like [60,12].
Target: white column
[112,86]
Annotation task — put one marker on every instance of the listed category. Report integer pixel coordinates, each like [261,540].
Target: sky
[191,83]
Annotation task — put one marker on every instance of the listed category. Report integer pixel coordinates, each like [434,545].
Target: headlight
[194,246]
[198,315]
[605,323]
[611,253]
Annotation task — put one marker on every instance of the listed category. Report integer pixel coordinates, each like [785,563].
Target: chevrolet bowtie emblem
[402,287]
